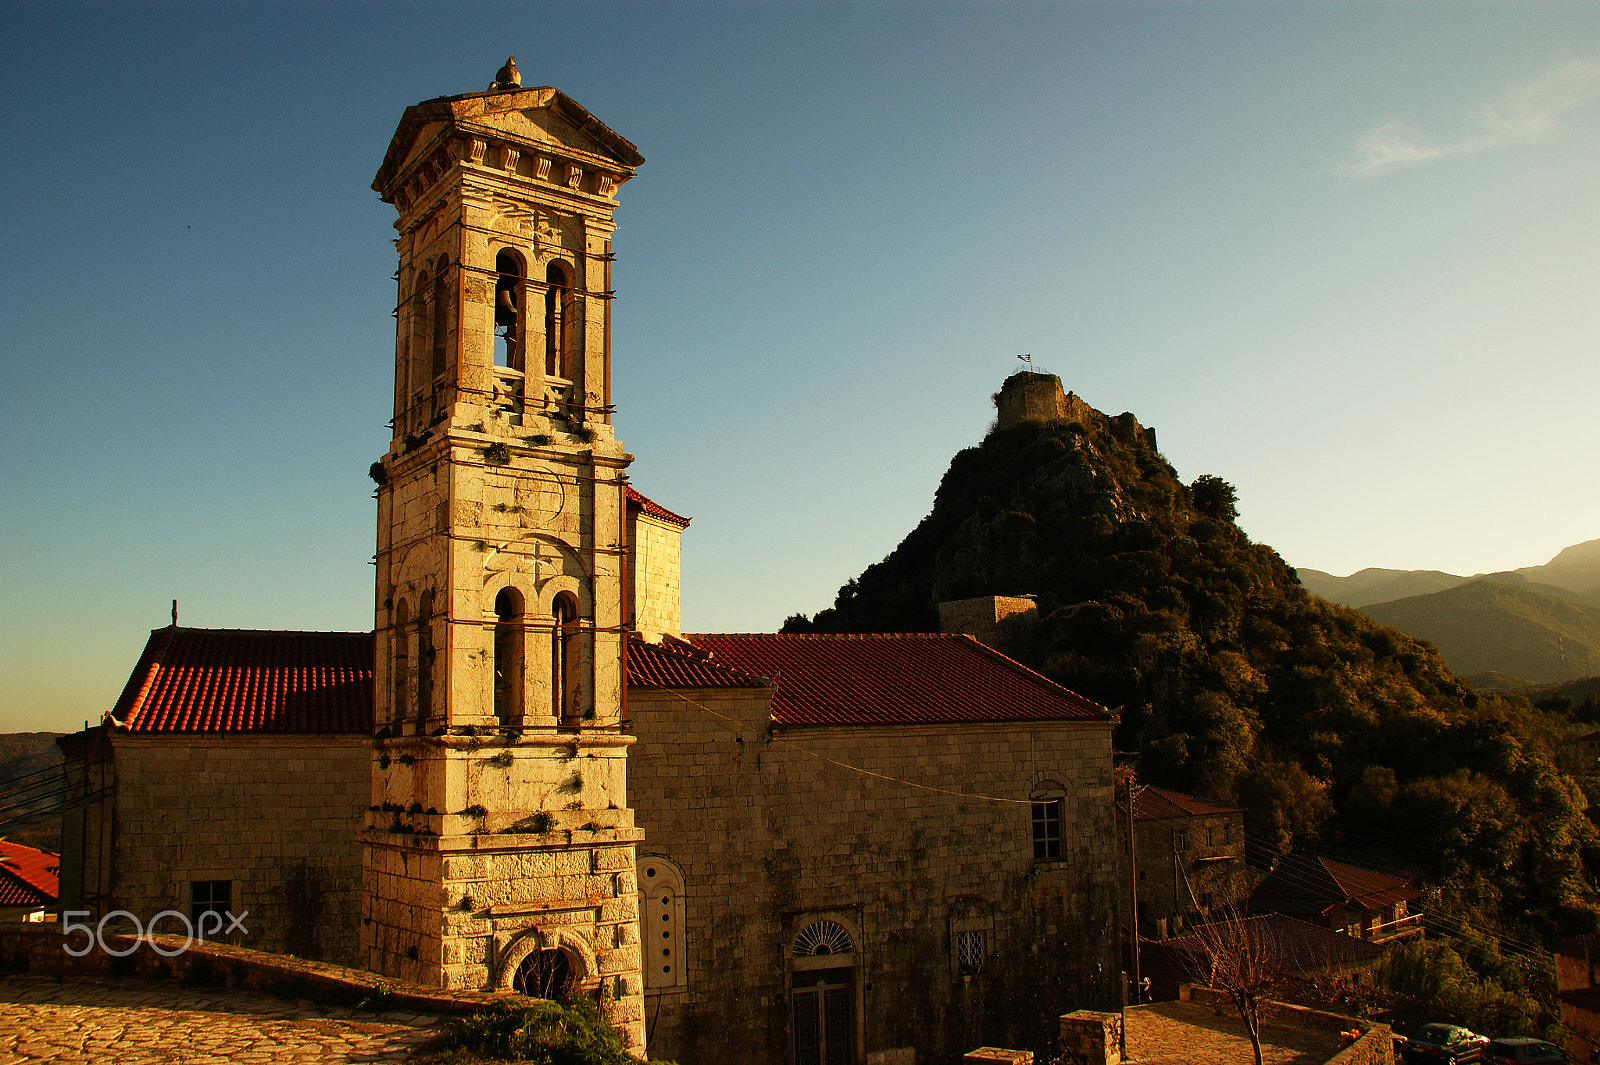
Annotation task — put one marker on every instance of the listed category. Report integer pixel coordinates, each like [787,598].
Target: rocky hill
[1233,681]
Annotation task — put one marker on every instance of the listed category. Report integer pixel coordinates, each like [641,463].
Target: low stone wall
[39,949]
[1091,1038]
[1375,1045]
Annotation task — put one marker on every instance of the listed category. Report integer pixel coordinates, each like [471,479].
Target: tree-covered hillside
[1234,682]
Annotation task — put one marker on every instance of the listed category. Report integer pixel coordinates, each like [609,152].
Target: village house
[830,850]
[1362,903]
[28,882]
[1188,857]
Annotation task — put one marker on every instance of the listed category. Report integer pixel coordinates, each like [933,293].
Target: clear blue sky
[1346,256]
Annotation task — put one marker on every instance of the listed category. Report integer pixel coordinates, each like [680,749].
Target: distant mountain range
[1535,625]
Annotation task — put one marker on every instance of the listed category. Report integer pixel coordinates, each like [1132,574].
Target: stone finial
[507,77]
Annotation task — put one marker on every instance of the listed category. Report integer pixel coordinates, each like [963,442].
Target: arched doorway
[544,974]
[823,994]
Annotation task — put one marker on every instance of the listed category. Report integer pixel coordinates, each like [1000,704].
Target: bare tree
[1244,958]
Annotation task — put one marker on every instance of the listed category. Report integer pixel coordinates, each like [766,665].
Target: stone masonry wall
[655,565]
[771,832]
[1174,881]
[276,815]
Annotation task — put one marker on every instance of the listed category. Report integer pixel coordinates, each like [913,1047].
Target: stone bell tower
[499,849]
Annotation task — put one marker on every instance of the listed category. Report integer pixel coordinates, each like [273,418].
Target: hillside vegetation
[1233,681]
[29,777]
[1503,624]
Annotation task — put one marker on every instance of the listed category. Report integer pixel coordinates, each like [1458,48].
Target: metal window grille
[969,953]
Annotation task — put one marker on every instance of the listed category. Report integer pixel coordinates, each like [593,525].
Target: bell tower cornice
[542,124]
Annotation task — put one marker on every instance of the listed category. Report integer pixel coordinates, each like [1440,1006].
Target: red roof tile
[1159,804]
[242,680]
[28,877]
[1303,945]
[1303,877]
[678,664]
[895,680]
[656,510]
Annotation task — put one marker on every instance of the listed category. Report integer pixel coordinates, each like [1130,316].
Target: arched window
[661,929]
[544,974]
[823,937]
[508,656]
[564,660]
[508,303]
[441,322]
[558,313]
[400,659]
[424,708]
[419,354]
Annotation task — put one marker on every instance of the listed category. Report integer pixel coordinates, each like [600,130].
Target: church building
[824,850]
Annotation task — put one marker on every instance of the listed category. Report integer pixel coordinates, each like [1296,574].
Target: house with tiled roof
[1578,992]
[854,827]
[1362,903]
[822,815]
[230,776]
[1187,858]
[28,882]
[1290,946]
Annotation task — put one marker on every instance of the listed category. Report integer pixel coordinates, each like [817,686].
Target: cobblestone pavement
[140,1022]
[1181,1033]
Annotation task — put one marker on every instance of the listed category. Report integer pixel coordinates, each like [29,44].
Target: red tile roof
[1305,946]
[656,510]
[242,680]
[1159,804]
[895,680]
[1302,877]
[28,877]
[679,664]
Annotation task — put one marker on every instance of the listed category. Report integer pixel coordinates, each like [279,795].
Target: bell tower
[499,848]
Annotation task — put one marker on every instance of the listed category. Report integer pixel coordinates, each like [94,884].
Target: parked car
[1522,1050]
[1443,1044]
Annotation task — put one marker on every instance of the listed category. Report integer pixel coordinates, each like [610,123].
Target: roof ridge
[266,632]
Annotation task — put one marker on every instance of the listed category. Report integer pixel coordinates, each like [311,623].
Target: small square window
[969,952]
[1047,829]
[213,897]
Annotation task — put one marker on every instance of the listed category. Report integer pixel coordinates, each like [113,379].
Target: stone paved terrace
[1185,1033]
[132,1021]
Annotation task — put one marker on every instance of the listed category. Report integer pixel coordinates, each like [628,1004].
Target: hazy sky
[1345,255]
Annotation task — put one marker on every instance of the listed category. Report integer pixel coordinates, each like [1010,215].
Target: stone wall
[1165,846]
[275,815]
[655,548]
[1374,1046]
[772,833]
[1005,623]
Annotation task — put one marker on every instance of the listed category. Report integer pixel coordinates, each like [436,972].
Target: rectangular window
[1209,840]
[1181,840]
[969,952]
[1047,829]
[213,897]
